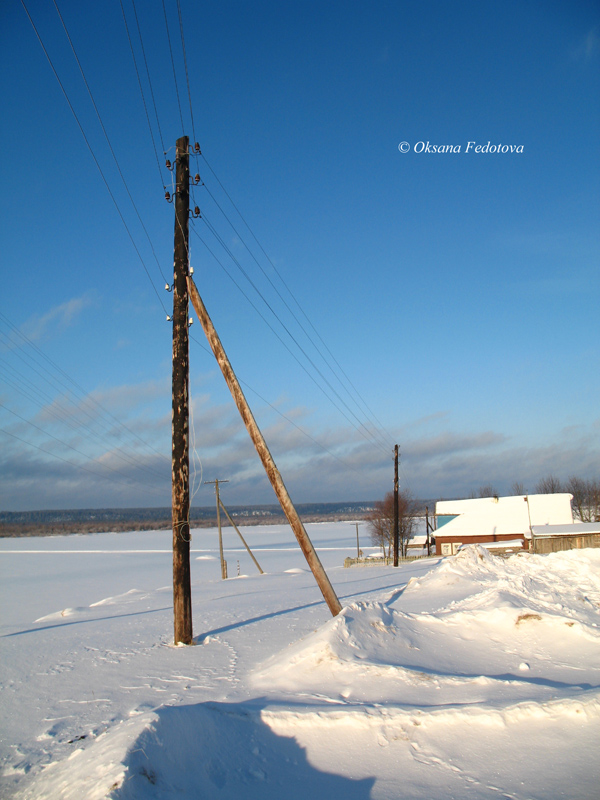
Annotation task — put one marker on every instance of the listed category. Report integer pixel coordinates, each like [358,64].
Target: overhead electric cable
[187,77]
[137,72]
[162,141]
[75,464]
[241,216]
[66,444]
[369,435]
[87,86]
[70,422]
[313,379]
[173,65]
[281,414]
[376,435]
[92,154]
[83,393]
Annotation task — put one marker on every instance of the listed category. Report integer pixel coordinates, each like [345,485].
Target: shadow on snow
[225,751]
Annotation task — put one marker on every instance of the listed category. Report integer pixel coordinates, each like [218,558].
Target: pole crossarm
[262,449]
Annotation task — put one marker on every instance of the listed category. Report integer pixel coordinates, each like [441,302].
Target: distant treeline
[105,520]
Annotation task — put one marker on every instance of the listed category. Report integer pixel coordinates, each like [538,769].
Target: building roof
[576,529]
[503,516]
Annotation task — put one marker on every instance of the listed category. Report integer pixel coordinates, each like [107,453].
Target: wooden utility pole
[260,444]
[182,593]
[237,530]
[427,529]
[396,532]
[223,562]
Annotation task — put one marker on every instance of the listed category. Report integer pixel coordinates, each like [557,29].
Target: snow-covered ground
[469,677]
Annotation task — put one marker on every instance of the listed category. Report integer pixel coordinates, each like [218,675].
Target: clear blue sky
[457,291]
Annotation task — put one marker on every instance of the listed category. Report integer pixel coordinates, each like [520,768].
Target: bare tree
[578,488]
[518,488]
[381,522]
[487,491]
[549,485]
[586,498]
[594,500]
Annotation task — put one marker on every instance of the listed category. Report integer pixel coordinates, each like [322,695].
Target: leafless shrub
[549,485]
[586,498]
[381,522]
[487,491]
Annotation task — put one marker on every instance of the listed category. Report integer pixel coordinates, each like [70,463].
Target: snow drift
[473,677]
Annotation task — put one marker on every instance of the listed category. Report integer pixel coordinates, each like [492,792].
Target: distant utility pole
[220,506]
[182,593]
[223,562]
[396,532]
[237,530]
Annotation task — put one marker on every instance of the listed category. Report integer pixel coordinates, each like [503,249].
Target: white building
[489,520]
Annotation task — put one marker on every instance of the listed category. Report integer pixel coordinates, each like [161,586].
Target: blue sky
[458,292]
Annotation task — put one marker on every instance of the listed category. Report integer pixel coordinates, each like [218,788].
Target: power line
[78,466]
[92,154]
[66,444]
[137,72]
[187,77]
[282,415]
[369,435]
[382,441]
[162,141]
[241,216]
[63,419]
[87,86]
[68,383]
[32,392]
[173,65]
[272,329]
[213,230]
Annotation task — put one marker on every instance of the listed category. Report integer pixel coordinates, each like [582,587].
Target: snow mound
[506,613]
[57,615]
[560,585]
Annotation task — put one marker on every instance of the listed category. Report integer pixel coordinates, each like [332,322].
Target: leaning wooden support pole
[237,530]
[263,451]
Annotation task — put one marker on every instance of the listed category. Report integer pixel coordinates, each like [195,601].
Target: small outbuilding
[554,538]
[484,520]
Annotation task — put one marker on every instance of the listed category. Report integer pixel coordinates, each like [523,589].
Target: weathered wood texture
[263,451]
[396,528]
[221,556]
[554,544]
[182,594]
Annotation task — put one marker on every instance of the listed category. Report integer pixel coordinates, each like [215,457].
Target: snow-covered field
[471,677]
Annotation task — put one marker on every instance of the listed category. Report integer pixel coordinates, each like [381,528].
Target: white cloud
[332,464]
[589,46]
[56,319]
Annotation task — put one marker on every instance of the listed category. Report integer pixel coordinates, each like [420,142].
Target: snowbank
[472,677]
